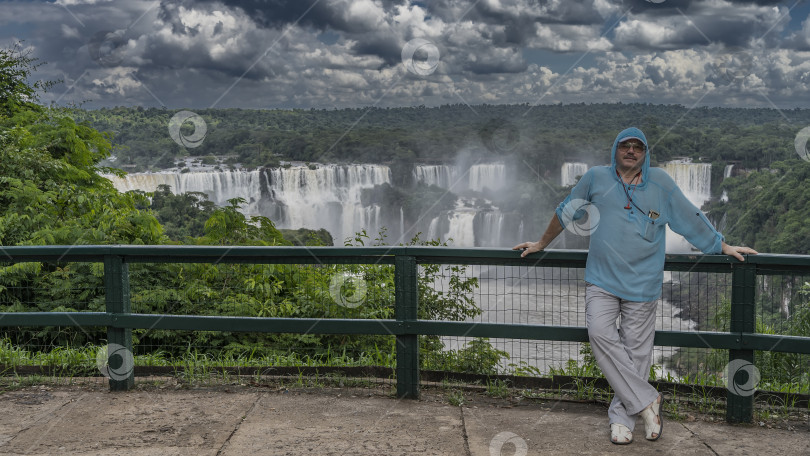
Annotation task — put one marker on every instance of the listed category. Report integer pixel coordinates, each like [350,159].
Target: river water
[543,296]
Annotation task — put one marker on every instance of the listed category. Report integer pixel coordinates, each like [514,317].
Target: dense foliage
[769,209]
[540,137]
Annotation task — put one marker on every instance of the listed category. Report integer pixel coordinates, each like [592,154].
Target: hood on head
[635,133]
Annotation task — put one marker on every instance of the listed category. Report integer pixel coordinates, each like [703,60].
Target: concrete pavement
[241,420]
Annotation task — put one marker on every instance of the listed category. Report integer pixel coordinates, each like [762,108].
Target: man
[628,205]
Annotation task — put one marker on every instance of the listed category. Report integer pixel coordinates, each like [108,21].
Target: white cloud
[117,81]
[702,24]
[70,32]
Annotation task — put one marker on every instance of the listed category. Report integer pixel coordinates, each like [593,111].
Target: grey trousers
[624,353]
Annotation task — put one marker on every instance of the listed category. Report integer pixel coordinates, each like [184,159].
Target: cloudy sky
[355,53]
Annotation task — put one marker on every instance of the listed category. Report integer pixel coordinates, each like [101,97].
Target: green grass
[456,398]
[66,365]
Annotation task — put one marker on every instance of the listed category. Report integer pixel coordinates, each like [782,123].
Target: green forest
[52,192]
[544,135]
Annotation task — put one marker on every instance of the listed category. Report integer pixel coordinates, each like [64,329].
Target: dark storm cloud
[384,45]
[669,7]
[545,11]
[518,18]
[687,24]
[318,14]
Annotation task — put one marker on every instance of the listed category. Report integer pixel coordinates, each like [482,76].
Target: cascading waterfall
[219,186]
[490,175]
[520,230]
[401,222]
[466,224]
[489,229]
[694,180]
[462,230]
[444,176]
[328,196]
[726,174]
[477,178]
[433,229]
[570,172]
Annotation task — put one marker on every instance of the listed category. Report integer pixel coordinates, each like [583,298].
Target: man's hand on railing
[530,247]
[736,251]
[552,231]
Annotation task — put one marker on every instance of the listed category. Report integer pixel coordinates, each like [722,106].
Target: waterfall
[570,171]
[336,198]
[491,176]
[726,174]
[219,186]
[489,229]
[433,229]
[476,178]
[444,176]
[694,180]
[520,232]
[401,222]
[328,196]
[462,229]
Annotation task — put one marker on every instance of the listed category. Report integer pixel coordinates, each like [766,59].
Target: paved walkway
[331,421]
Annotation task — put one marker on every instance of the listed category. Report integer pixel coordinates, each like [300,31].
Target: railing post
[740,407]
[407,297]
[120,362]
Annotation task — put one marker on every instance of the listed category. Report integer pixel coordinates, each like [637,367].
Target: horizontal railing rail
[741,340]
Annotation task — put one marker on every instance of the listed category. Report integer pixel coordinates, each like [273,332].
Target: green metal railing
[741,340]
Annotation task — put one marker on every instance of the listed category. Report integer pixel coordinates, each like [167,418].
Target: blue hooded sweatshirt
[627,246]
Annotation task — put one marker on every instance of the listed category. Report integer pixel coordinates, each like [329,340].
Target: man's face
[630,155]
